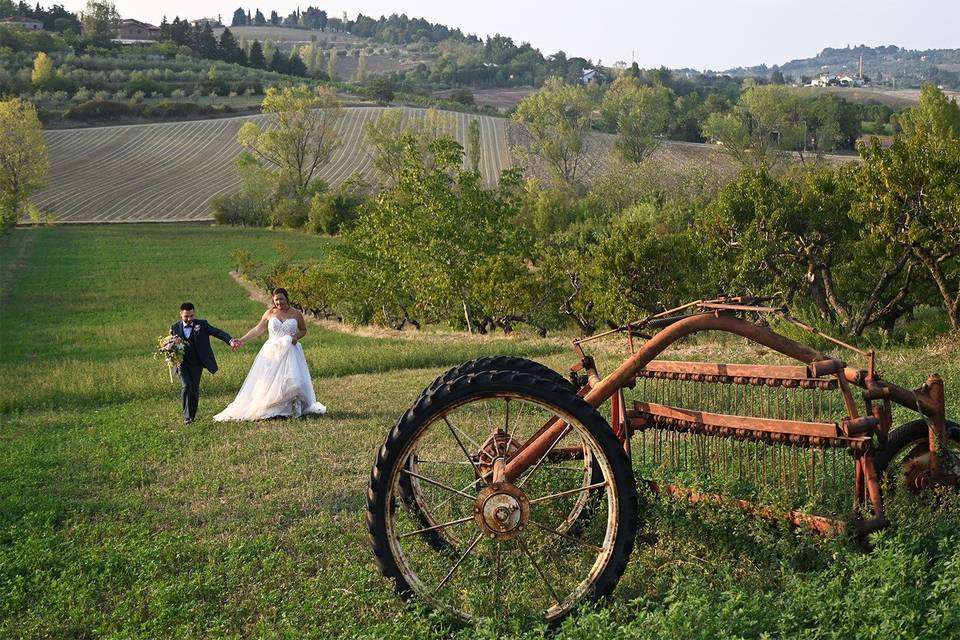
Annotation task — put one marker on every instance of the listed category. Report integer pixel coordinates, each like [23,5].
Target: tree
[229,50]
[473,144]
[388,137]
[304,136]
[910,193]
[797,237]
[332,67]
[42,74]
[100,22]
[422,249]
[258,18]
[274,18]
[23,160]
[279,62]
[205,44]
[239,18]
[767,123]
[256,59]
[361,66]
[553,126]
[381,89]
[296,66]
[640,115]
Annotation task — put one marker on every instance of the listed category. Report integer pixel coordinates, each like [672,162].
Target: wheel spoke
[566,429]
[588,487]
[506,424]
[457,563]
[567,537]
[453,430]
[536,566]
[436,527]
[439,484]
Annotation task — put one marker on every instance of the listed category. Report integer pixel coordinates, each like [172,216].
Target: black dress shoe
[187,420]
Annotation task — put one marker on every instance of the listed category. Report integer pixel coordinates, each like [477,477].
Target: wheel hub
[501,510]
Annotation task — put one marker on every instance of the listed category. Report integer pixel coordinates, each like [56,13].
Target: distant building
[23,23]
[213,22]
[129,30]
[592,76]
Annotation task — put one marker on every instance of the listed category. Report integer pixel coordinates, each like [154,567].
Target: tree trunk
[466,313]
[816,291]
[885,280]
[826,275]
[951,302]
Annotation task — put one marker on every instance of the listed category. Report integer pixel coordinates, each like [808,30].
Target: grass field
[116,520]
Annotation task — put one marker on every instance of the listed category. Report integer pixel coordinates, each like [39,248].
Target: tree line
[864,246]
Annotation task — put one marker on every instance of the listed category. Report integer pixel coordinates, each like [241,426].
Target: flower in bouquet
[171,349]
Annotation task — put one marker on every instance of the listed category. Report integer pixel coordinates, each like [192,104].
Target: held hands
[235,344]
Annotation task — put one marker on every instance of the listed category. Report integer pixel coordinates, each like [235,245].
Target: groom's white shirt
[187,330]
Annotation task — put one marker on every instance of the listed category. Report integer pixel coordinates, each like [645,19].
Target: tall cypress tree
[279,62]
[230,51]
[256,59]
[207,43]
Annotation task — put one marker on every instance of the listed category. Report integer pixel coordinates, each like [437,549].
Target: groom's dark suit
[197,357]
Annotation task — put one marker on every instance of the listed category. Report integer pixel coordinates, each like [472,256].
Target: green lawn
[118,521]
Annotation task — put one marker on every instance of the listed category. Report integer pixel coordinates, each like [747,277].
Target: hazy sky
[717,34]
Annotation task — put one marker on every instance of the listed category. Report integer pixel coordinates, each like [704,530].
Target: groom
[198,355]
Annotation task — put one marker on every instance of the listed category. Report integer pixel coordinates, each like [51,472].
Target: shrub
[178,94]
[167,109]
[237,209]
[97,109]
[139,81]
[333,212]
[289,212]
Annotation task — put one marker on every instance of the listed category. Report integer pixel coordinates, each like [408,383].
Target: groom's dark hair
[187,306]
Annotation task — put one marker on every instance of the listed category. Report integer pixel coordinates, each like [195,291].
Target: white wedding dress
[279,382]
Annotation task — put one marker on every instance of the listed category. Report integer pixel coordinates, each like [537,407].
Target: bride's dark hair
[279,290]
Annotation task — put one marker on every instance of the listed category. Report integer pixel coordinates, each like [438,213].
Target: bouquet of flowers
[171,349]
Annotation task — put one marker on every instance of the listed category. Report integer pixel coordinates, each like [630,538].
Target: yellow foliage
[23,160]
[42,70]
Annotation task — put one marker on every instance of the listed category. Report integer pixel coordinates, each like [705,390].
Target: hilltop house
[22,23]
[130,30]
[592,76]
[201,22]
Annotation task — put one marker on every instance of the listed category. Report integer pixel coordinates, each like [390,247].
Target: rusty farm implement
[503,492]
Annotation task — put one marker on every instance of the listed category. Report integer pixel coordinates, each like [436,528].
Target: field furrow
[169,171]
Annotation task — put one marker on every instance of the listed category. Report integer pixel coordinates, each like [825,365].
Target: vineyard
[169,171]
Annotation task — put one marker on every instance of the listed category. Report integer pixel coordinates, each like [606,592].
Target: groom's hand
[235,344]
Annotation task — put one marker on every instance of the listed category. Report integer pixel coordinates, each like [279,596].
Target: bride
[279,382]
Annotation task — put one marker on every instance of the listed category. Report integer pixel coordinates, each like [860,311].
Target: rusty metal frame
[855,432]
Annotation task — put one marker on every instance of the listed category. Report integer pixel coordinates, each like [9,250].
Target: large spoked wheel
[412,488]
[905,461]
[506,548]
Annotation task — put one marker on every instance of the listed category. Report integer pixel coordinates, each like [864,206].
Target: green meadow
[116,520]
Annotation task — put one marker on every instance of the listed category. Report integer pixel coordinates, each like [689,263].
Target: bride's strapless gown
[279,382]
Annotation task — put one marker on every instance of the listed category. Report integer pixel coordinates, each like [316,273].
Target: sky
[710,34]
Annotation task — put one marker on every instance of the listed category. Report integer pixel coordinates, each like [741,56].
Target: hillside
[379,58]
[888,66]
[169,171]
